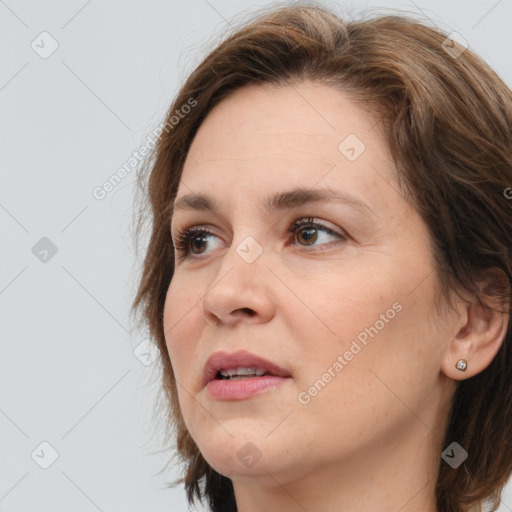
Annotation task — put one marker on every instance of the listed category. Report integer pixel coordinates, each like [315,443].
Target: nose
[240,291]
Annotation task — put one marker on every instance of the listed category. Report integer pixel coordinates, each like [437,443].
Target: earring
[461,365]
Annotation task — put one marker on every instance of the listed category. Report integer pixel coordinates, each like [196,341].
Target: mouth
[240,365]
[240,375]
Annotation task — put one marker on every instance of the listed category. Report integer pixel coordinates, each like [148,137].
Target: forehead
[258,120]
[267,139]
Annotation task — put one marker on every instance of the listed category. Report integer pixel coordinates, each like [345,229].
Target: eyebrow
[275,202]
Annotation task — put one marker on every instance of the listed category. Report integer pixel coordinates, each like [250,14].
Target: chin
[232,461]
[240,455]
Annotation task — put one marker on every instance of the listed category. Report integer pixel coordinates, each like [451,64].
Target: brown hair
[447,120]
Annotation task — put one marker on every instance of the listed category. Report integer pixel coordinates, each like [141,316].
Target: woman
[328,275]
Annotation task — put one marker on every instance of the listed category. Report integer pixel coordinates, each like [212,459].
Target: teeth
[238,373]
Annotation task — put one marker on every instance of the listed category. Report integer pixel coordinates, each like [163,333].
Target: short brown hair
[448,125]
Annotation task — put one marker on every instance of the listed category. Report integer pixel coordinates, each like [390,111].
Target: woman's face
[344,304]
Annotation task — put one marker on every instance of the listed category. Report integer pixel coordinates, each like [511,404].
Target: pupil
[309,234]
[194,243]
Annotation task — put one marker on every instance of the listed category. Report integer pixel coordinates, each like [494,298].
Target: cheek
[182,324]
[384,382]
[368,328]
[344,307]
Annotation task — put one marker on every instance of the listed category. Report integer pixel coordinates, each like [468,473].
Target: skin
[371,439]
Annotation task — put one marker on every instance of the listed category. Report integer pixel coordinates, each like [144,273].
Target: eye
[308,231]
[192,239]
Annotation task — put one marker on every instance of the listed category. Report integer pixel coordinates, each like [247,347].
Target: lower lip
[224,389]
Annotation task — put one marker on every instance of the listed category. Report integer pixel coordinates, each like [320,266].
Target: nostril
[212,318]
[249,311]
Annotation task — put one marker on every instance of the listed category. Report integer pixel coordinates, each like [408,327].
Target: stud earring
[461,365]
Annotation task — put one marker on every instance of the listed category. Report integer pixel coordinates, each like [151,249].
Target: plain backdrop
[82,84]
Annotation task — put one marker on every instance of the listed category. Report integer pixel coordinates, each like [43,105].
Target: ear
[479,331]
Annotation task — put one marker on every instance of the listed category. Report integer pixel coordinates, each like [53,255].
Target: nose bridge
[247,247]
[240,283]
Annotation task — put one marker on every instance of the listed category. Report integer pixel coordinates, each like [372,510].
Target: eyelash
[185,236]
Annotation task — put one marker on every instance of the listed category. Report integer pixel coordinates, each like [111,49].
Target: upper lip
[240,359]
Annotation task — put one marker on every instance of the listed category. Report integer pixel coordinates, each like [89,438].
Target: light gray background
[68,374]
